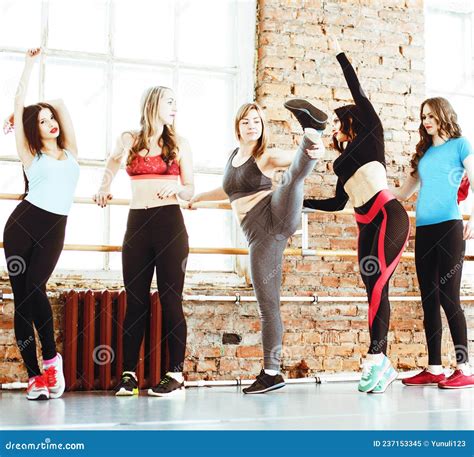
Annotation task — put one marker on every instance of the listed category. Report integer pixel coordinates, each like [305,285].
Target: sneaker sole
[419,385]
[269,389]
[456,387]
[181,390]
[306,107]
[126,393]
[41,397]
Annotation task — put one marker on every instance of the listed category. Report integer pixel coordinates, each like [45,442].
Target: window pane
[12,66]
[83,88]
[198,224]
[445,53]
[16,12]
[11,178]
[129,83]
[206,102]
[144,29]
[84,226]
[78,25]
[207,34]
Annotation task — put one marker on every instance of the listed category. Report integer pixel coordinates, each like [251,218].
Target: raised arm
[24,153]
[367,111]
[336,203]
[66,123]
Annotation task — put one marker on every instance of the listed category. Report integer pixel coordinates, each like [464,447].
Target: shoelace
[165,380]
[49,376]
[38,383]
[367,368]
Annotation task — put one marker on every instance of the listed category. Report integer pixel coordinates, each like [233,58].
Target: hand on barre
[102,198]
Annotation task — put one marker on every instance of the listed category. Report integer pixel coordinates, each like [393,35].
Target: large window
[99,56]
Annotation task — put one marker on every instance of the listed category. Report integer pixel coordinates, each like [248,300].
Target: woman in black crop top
[382,221]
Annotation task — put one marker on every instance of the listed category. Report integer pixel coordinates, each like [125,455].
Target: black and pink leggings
[384,227]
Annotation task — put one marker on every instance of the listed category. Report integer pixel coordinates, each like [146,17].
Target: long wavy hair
[350,125]
[168,141]
[32,132]
[262,142]
[447,120]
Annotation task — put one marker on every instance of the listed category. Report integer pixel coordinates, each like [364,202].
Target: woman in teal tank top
[441,159]
[34,234]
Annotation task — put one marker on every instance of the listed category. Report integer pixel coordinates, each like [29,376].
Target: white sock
[271,372]
[176,376]
[375,358]
[132,373]
[435,369]
[465,368]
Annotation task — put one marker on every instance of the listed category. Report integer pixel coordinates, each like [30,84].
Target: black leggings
[155,238]
[33,240]
[384,227]
[439,255]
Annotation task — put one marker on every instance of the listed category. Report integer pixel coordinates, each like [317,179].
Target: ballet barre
[304,251]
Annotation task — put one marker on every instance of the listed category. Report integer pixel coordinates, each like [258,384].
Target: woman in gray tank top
[268,215]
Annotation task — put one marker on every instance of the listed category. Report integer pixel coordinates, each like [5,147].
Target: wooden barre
[224,204]
[235,251]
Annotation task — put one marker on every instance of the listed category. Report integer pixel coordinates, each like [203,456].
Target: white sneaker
[54,378]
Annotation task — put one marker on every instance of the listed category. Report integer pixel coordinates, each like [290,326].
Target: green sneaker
[372,373]
[388,377]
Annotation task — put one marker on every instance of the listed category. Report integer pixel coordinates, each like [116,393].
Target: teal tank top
[52,183]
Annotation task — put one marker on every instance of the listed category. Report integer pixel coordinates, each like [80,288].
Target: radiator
[92,345]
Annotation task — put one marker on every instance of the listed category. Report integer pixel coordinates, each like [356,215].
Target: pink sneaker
[458,380]
[425,378]
[37,389]
[54,378]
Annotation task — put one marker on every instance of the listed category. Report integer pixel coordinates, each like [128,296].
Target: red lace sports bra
[147,167]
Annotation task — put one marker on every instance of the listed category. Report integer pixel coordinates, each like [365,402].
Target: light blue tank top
[52,183]
[441,170]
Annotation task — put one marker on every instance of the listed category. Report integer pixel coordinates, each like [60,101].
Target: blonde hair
[149,112]
[262,142]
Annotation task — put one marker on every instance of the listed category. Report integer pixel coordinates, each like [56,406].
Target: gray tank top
[247,179]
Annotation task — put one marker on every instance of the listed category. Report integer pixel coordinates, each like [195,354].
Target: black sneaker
[127,386]
[168,386]
[307,115]
[265,383]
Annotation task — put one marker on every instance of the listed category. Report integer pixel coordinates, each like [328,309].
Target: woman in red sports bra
[160,166]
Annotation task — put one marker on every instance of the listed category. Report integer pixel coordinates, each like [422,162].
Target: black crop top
[367,146]
[244,180]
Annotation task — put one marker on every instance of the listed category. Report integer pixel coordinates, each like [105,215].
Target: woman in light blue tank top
[441,159]
[34,234]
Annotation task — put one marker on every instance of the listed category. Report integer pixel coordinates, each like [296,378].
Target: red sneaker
[425,378]
[458,380]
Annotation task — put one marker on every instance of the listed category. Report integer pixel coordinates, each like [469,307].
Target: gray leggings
[267,227]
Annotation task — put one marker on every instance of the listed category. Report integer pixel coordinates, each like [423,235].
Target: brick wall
[384,41]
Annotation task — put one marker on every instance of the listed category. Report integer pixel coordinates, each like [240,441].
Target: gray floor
[317,407]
